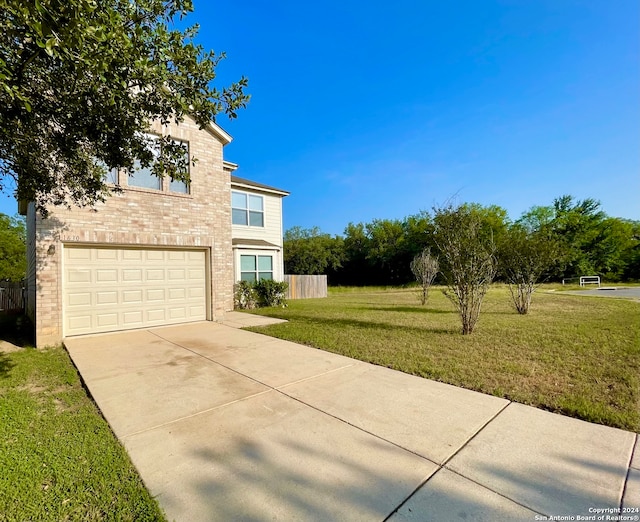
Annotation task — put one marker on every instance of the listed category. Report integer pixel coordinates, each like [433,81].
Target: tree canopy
[13,259]
[566,239]
[80,83]
[309,251]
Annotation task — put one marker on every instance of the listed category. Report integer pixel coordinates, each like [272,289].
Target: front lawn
[575,355]
[59,459]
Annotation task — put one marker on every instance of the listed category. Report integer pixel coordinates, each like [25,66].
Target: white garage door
[108,289]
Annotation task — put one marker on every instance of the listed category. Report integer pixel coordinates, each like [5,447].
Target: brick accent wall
[141,217]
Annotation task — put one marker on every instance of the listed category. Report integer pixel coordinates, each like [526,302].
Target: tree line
[572,237]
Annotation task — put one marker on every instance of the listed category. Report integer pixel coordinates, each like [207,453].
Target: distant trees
[13,259]
[586,242]
[590,242]
[309,251]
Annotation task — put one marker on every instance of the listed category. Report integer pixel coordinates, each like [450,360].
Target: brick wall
[141,217]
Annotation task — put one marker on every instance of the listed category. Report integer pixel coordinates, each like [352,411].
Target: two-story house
[157,253]
[256,232]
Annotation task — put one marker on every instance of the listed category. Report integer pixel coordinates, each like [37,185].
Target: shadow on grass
[366,325]
[15,328]
[408,309]
[5,365]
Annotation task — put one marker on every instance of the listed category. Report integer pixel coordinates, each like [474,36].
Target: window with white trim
[247,209]
[256,268]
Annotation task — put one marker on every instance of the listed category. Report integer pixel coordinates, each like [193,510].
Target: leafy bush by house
[244,296]
[271,293]
[266,292]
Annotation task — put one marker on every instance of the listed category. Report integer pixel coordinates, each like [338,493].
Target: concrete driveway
[225,424]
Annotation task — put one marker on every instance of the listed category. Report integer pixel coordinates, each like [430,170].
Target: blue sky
[366,110]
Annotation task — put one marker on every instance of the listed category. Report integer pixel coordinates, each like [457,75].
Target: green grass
[59,459]
[575,355]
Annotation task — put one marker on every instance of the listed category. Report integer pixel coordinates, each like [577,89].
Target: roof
[246,183]
[219,133]
[253,242]
[229,166]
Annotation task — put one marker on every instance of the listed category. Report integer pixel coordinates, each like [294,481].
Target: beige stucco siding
[141,217]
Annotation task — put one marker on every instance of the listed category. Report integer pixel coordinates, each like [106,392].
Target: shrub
[266,292]
[270,292]
[466,246]
[245,296]
[425,267]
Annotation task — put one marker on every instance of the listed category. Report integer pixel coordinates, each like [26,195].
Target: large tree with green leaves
[13,257]
[310,251]
[590,242]
[80,82]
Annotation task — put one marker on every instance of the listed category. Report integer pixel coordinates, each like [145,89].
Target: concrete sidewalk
[225,424]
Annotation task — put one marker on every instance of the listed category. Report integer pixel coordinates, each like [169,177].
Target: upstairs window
[145,178]
[111,176]
[247,209]
[181,187]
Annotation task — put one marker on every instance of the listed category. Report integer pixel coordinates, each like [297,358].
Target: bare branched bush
[524,258]
[468,257]
[425,267]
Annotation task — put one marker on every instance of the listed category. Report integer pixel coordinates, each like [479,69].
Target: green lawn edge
[574,355]
[60,461]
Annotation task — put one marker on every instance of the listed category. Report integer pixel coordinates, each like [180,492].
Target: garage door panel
[143,287]
[177,313]
[106,320]
[80,323]
[196,275]
[196,293]
[131,297]
[195,311]
[79,253]
[132,276]
[155,255]
[133,318]
[106,298]
[103,254]
[79,299]
[177,293]
[156,315]
[107,276]
[132,255]
[176,274]
[79,276]
[155,294]
[155,274]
